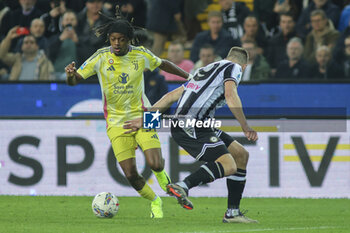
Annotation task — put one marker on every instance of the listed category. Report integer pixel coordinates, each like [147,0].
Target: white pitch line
[269,229]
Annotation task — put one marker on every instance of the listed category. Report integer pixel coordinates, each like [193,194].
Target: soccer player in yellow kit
[119,69]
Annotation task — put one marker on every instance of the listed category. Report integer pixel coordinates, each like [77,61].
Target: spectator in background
[37,29]
[287,6]
[3,71]
[206,56]
[155,85]
[331,10]
[13,5]
[325,68]
[109,5]
[3,68]
[323,33]
[31,64]
[344,18]
[20,17]
[278,44]
[133,9]
[63,46]
[216,36]
[53,17]
[252,33]
[89,18]
[176,55]
[163,19]
[345,63]
[338,51]
[3,11]
[263,10]
[257,68]
[75,5]
[192,25]
[233,14]
[340,3]
[294,67]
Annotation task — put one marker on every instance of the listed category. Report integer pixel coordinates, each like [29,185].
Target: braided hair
[118,24]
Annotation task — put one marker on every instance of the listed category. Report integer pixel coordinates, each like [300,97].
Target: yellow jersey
[121,81]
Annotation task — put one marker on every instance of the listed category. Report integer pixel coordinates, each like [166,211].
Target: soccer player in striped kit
[210,88]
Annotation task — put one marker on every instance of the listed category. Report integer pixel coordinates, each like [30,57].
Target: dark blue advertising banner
[259,100]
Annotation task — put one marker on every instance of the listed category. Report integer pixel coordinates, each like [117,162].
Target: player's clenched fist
[250,133]
[70,69]
[73,77]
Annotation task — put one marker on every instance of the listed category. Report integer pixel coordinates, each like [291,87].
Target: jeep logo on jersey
[123,78]
[192,86]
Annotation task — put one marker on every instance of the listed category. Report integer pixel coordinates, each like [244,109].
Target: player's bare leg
[139,184]
[236,184]
[156,162]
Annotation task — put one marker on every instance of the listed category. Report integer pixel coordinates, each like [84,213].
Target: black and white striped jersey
[205,92]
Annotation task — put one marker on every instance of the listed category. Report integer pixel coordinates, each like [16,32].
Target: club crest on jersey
[214,139]
[136,65]
[111,61]
[123,78]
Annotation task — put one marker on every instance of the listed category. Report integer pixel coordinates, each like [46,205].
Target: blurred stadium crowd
[286,39]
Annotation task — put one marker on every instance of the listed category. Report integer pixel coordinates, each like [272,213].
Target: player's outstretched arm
[171,68]
[73,77]
[167,100]
[234,103]
[162,105]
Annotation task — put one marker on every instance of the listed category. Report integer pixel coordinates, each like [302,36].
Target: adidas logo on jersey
[154,136]
[111,68]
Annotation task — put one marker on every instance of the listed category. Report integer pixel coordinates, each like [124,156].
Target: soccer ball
[105,205]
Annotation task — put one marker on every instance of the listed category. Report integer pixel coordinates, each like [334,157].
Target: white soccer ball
[105,205]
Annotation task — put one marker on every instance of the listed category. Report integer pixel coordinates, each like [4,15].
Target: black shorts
[227,139]
[203,144]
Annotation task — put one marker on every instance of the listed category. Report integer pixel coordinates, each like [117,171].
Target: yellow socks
[147,192]
[162,178]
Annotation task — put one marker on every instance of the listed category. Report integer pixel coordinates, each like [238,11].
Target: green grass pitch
[73,214]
